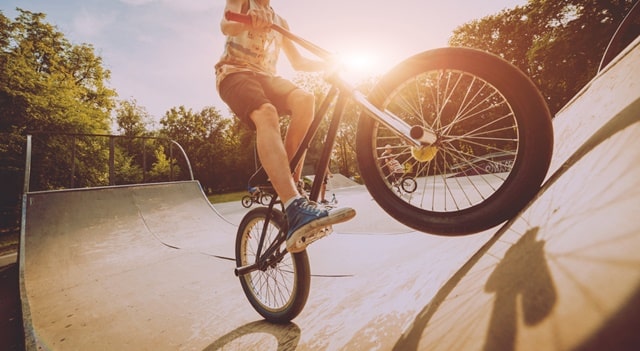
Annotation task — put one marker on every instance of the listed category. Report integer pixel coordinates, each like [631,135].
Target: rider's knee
[265,117]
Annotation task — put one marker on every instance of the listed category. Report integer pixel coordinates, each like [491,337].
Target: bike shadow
[522,285]
[521,281]
[286,335]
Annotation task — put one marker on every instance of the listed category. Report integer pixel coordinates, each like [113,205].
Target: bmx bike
[405,184]
[443,107]
[259,196]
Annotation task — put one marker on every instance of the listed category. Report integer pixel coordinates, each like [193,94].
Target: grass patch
[228,197]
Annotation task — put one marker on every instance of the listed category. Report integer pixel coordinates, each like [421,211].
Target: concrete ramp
[149,267]
[97,263]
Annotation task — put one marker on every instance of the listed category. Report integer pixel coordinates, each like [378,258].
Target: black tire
[247,201]
[408,184]
[265,198]
[279,292]
[477,104]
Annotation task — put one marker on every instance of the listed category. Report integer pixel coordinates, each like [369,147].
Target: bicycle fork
[271,254]
[416,135]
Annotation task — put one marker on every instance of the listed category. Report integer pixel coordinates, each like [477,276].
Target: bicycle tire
[247,201]
[479,106]
[279,292]
[408,184]
[265,198]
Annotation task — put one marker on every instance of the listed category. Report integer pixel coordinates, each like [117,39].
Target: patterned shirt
[251,51]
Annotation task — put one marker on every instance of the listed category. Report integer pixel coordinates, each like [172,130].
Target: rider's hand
[261,19]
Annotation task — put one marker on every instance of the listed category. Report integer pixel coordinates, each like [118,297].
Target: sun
[361,65]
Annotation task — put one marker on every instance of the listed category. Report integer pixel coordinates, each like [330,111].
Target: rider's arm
[299,62]
[260,18]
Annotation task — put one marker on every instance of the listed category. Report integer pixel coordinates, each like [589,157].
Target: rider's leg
[301,105]
[271,151]
[306,221]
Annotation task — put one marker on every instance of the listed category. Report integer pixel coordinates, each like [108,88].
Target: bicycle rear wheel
[484,112]
[246,201]
[279,291]
[265,198]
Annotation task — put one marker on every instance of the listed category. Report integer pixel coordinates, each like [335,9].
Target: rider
[253,190]
[246,80]
[393,167]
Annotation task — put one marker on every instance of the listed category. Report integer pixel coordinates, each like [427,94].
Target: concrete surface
[150,267]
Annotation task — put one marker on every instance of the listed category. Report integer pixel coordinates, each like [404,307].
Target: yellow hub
[425,153]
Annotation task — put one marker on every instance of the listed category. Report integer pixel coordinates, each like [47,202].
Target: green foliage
[133,120]
[48,84]
[162,168]
[559,43]
[220,151]
[127,171]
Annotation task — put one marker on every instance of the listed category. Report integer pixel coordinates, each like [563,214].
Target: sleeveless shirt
[251,51]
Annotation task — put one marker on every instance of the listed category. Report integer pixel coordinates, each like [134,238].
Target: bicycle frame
[470,102]
[341,92]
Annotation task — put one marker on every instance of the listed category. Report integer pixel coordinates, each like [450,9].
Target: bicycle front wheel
[485,114]
[278,291]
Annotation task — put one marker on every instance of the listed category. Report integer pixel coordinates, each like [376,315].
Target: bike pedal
[314,236]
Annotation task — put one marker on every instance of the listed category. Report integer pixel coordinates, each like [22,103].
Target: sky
[162,52]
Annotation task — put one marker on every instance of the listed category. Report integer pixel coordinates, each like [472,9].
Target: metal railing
[111,163]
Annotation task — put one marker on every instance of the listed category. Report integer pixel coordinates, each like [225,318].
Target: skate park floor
[150,267]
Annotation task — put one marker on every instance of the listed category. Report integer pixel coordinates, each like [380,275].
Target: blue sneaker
[309,222]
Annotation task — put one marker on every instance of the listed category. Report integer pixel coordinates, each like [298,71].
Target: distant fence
[100,155]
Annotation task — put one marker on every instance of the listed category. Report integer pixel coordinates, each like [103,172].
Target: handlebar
[313,48]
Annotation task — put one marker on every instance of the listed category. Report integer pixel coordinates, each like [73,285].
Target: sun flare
[361,65]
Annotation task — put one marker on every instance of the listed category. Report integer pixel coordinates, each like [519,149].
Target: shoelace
[312,207]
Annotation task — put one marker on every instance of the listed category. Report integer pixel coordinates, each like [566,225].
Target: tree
[133,120]
[139,152]
[48,85]
[162,168]
[209,142]
[559,43]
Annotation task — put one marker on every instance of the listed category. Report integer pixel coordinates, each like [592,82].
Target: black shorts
[245,92]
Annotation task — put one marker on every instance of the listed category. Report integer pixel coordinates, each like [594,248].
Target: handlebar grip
[246,19]
[237,17]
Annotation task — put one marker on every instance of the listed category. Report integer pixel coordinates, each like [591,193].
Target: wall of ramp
[89,254]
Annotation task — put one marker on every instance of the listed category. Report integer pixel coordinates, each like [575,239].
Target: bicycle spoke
[473,123]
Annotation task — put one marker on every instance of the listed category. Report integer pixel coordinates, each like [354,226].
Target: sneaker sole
[318,229]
